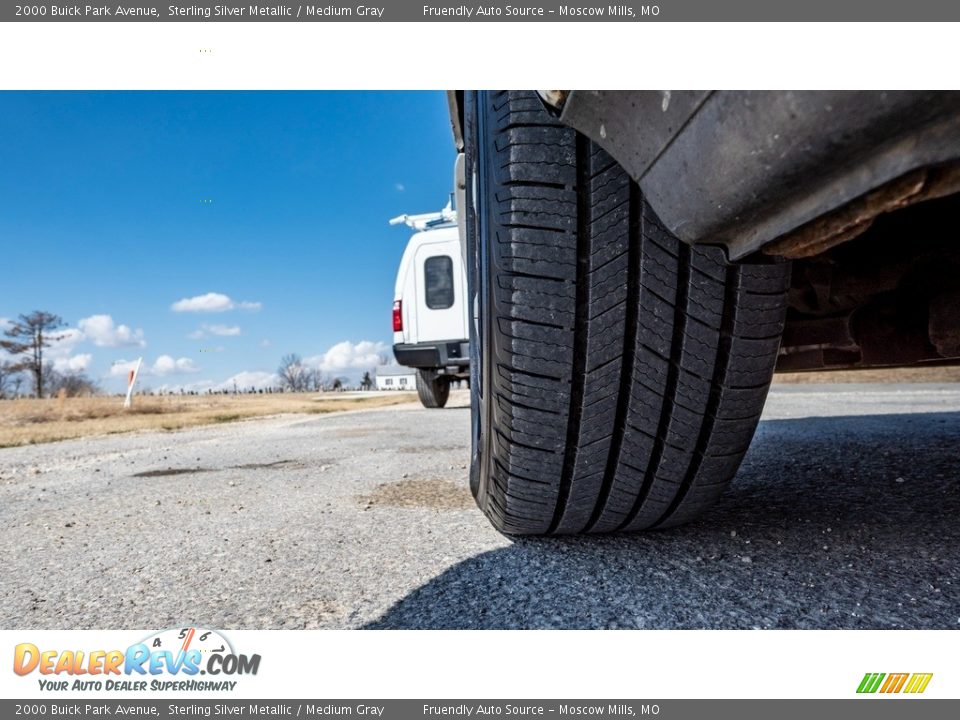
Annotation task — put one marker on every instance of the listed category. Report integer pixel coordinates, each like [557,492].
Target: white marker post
[131,381]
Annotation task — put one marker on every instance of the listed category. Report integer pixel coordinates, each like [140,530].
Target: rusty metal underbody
[856,217]
[878,282]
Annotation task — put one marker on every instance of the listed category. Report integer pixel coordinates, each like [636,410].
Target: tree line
[296,376]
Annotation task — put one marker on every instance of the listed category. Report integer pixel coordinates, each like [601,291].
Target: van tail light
[397,316]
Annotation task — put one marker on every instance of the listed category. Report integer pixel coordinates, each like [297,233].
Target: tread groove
[670,391]
[581,315]
[534,184]
[539,376]
[631,321]
[727,324]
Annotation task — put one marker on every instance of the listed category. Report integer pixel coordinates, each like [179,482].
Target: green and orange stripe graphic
[894,682]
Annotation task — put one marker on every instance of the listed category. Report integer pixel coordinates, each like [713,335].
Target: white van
[429,309]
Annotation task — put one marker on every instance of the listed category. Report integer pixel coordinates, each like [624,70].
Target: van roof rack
[429,221]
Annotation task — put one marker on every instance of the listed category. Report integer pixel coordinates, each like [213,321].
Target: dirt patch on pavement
[353,432]
[417,450]
[275,465]
[435,493]
[171,471]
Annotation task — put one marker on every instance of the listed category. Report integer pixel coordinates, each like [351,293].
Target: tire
[433,389]
[619,373]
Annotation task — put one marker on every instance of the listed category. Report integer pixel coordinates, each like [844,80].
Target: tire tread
[629,370]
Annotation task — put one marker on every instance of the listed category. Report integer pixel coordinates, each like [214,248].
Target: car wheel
[433,389]
[619,374]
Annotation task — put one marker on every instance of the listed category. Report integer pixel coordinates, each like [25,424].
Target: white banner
[490,664]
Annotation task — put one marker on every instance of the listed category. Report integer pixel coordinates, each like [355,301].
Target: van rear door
[441,288]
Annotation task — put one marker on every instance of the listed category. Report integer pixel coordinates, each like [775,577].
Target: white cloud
[347,357]
[120,368]
[212,302]
[250,379]
[200,386]
[399,187]
[167,365]
[244,381]
[220,330]
[265,343]
[68,339]
[72,364]
[103,332]
[161,367]
[223,330]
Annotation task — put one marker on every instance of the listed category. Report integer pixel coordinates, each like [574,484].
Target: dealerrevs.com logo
[911,683]
[169,660]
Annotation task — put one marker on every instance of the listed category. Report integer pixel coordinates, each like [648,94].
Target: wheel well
[891,296]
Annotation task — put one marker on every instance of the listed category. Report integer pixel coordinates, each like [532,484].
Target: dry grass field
[28,421]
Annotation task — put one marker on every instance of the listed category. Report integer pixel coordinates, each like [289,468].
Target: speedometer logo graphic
[184,639]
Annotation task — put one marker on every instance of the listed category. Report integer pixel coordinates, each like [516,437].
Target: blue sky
[266,211]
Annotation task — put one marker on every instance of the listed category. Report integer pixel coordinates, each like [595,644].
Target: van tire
[620,373]
[432,388]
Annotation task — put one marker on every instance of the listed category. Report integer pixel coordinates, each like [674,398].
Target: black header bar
[492,11]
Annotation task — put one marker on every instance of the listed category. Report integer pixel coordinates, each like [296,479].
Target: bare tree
[29,335]
[367,382]
[8,373]
[294,375]
[75,384]
[314,379]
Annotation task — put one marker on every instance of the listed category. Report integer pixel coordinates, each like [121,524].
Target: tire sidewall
[477,183]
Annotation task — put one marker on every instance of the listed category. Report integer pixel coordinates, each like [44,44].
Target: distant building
[396,378]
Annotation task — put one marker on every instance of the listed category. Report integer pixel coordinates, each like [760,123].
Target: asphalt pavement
[845,514]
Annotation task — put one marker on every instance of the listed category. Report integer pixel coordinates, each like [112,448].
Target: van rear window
[438,271]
